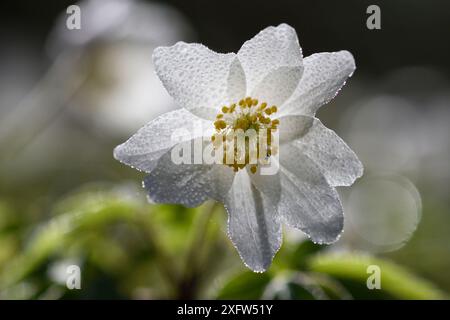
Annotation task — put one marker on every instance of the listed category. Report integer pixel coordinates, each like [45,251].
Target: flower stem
[189,283]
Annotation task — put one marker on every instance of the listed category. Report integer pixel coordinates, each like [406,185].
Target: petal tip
[117,152]
[284,25]
[350,59]
[360,171]
[329,239]
[259,266]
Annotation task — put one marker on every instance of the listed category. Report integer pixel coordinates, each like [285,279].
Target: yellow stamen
[220,124]
[244,118]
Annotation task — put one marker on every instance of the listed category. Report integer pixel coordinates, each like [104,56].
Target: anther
[256,118]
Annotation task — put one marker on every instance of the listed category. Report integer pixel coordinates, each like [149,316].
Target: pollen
[220,124]
[252,118]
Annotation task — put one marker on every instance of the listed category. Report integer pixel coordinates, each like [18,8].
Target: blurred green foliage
[127,248]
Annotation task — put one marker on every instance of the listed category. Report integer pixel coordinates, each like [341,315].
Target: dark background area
[413,31]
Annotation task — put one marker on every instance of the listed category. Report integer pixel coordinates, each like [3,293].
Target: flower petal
[253,225]
[144,148]
[236,82]
[278,85]
[187,184]
[293,127]
[272,62]
[197,77]
[323,76]
[307,201]
[266,179]
[337,161]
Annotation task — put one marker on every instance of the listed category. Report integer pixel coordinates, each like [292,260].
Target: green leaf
[302,252]
[89,213]
[297,285]
[396,281]
[293,286]
[246,285]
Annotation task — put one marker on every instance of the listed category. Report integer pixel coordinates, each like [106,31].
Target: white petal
[267,184]
[236,82]
[307,201]
[272,61]
[144,148]
[291,128]
[323,76]
[197,77]
[278,85]
[187,184]
[253,225]
[338,162]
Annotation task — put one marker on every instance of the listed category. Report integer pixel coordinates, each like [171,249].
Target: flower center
[244,133]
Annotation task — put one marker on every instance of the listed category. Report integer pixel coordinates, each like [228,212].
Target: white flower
[270,69]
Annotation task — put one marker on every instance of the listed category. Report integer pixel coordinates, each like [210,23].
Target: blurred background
[67,97]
